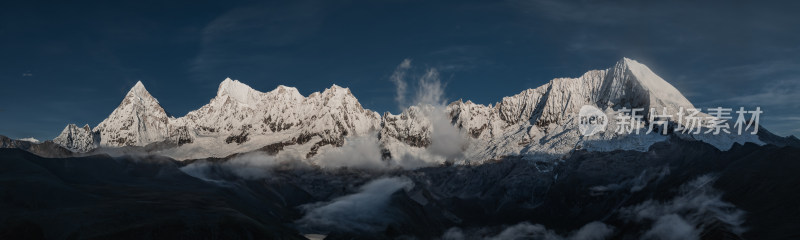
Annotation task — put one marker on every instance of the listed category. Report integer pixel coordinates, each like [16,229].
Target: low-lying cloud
[29,139]
[361,152]
[688,214]
[526,230]
[365,211]
[253,165]
[635,184]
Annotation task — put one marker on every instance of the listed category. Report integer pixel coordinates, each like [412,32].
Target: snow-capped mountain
[540,123]
[137,121]
[76,138]
[241,119]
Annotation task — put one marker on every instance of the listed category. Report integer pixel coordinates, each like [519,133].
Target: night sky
[64,62]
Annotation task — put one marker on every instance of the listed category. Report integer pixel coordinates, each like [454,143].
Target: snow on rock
[410,127]
[76,138]
[137,121]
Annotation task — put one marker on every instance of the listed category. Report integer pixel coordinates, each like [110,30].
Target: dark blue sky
[73,62]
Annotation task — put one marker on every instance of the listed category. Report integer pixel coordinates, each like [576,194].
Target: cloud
[253,165]
[430,90]
[29,139]
[672,227]
[361,152]
[453,234]
[364,152]
[414,160]
[398,78]
[685,216]
[646,177]
[365,211]
[200,169]
[526,230]
[447,141]
[592,231]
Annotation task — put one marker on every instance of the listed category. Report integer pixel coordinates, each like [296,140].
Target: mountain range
[280,165]
[539,124]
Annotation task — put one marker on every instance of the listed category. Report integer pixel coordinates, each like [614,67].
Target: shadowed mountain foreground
[748,192]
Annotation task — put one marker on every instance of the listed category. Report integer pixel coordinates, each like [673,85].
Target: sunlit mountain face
[399,120]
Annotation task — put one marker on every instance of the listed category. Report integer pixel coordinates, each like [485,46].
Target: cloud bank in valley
[698,206]
[361,152]
[365,211]
[253,165]
[526,230]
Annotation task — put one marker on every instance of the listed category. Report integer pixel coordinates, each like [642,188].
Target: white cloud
[365,211]
[526,230]
[253,165]
[672,227]
[430,90]
[29,139]
[684,216]
[447,141]
[398,78]
[359,152]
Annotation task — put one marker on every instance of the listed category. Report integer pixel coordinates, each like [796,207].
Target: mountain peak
[336,90]
[661,92]
[626,59]
[285,92]
[138,120]
[76,139]
[236,90]
[139,91]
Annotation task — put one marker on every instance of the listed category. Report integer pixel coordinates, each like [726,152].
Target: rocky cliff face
[540,123]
